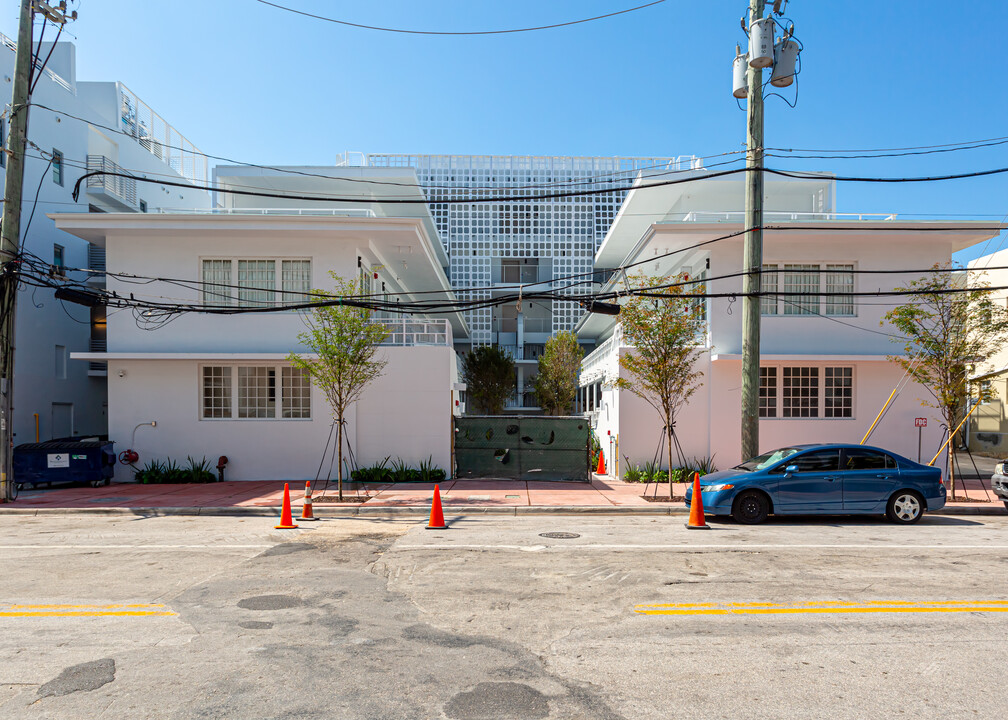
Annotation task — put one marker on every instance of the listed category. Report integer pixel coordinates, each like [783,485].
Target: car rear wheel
[905,507]
[751,508]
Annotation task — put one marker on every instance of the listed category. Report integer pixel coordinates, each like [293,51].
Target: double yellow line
[135,610]
[824,606]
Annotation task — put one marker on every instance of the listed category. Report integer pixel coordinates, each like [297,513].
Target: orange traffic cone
[436,516]
[600,470]
[696,516]
[286,521]
[306,509]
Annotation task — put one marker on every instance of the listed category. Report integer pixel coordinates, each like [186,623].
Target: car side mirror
[790,469]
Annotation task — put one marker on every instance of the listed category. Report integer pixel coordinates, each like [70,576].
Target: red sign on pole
[920,422]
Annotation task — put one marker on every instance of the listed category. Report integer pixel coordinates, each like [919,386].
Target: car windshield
[767,459]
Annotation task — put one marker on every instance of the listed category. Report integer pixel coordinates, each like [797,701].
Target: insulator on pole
[785,60]
[761,43]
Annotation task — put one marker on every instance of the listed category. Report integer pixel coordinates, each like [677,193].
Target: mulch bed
[335,499]
[664,498]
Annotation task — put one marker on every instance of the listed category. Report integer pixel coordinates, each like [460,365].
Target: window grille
[216,279]
[256,392]
[801,279]
[57,167]
[216,392]
[257,281]
[768,392]
[840,286]
[296,393]
[800,392]
[296,278]
[838,392]
[768,284]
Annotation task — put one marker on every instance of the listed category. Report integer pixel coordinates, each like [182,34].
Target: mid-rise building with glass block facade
[494,247]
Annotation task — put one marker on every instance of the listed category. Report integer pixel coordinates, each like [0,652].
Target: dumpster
[70,460]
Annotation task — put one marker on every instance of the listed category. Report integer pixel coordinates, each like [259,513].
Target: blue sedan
[823,480]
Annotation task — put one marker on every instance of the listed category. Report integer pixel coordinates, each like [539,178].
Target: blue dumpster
[70,460]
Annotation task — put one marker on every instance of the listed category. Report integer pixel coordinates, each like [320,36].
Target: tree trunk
[339,458]
[668,431]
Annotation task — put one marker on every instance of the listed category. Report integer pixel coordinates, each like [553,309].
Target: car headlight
[716,488]
[999,468]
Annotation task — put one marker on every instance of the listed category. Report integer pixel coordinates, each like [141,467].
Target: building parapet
[738,216]
[318,212]
[12,45]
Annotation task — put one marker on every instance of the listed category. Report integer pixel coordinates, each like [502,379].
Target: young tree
[345,343]
[489,375]
[948,328]
[663,332]
[556,385]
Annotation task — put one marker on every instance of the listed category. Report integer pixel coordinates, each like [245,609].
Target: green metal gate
[523,448]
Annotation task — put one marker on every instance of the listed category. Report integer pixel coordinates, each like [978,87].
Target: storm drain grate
[559,535]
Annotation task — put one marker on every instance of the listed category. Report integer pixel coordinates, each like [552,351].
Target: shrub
[633,472]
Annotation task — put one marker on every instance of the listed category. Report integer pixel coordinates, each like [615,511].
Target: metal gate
[523,448]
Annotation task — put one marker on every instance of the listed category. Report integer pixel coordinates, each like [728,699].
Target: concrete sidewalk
[602,495]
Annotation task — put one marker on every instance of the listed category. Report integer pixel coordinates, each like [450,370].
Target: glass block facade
[567,231]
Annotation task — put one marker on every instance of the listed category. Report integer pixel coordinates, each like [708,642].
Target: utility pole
[10,228]
[753,253]
[10,242]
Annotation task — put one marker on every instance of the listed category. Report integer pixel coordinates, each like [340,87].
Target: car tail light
[941,478]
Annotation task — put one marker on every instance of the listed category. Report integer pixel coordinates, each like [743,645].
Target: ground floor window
[251,392]
[806,391]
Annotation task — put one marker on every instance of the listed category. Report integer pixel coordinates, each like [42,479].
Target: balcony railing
[417,332]
[52,76]
[321,212]
[532,325]
[778,216]
[526,400]
[159,138]
[98,345]
[124,188]
[603,361]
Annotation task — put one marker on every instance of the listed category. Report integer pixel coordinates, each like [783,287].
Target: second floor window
[806,282]
[255,282]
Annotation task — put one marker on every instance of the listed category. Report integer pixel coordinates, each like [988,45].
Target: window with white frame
[768,392]
[768,285]
[216,392]
[840,286]
[251,392]
[802,279]
[295,393]
[838,392]
[256,281]
[216,277]
[835,280]
[806,391]
[800,392]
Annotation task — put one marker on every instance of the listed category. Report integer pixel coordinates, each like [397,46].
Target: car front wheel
[751,508]
[905,507]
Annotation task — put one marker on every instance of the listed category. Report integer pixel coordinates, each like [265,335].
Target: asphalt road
[636,617]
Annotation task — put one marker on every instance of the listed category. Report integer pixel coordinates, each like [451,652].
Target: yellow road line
[87,607]
[872,606]
[85,613]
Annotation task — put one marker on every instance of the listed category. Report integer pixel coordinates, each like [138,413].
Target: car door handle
[831,478]
[884,477]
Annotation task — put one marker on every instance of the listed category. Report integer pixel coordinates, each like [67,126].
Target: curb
[419,511]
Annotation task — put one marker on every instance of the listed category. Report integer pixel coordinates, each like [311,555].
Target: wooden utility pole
[753,252]
[10,242]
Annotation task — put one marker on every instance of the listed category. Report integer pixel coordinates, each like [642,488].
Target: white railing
[405,332]
[123,188]
[779,216]
[603,361]
[52,76]
[159,138]
[320,212]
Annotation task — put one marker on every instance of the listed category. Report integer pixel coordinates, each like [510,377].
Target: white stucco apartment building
[81,126]
[987,429]
[222,385]
[825,372]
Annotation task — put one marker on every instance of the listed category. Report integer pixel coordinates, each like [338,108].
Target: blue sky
[250,82]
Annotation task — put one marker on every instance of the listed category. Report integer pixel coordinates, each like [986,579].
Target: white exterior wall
[988,427]
[42,322]
[405,414]
[710,423]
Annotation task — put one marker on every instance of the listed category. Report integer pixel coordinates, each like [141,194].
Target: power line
[469,32]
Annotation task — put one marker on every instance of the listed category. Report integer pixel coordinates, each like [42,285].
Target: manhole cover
[560,535]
